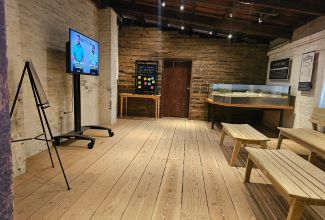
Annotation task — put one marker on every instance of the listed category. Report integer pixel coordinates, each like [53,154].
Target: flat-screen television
[82,54]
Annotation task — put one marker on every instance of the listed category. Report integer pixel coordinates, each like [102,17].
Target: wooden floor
[164,169]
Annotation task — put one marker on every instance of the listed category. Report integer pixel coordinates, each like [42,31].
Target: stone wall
[6,194]
[213,61]
[39,30]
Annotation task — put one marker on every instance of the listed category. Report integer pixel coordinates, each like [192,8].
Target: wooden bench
[312,139]
[242,134]
[298,181]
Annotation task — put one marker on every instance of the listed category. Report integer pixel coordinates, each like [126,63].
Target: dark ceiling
[219,18]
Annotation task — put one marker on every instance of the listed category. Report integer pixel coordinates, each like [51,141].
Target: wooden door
[176,88]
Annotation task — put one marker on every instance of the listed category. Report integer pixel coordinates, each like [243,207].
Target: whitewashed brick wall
[39,30]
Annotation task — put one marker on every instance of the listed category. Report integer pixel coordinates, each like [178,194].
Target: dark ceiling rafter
[205,21]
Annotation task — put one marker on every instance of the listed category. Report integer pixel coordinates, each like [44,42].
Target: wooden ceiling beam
[212,22]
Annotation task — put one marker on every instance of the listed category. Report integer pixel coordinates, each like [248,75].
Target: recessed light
[229,36]
[182,7]
[245,3]
[182,27]
[260,20]
[163,4]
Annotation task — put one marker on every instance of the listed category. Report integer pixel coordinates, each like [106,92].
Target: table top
[308,137]
[139,95]
[250,105]
[244,132]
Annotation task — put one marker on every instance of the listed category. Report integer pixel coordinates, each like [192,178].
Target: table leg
[281,118]
[249,167]
[209,112]
[212,116]
[156,109]
[126,106]
[280,139]
[159,107]
[235,153]
[121,106]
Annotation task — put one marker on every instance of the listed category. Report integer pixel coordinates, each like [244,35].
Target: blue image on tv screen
[83,54]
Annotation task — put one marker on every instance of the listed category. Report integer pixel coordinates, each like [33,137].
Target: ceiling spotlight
[230,15]
[260,20]
[245,2]
[181,7]
[210,32]
[182,27]
[163,4]
[168,25]
[229,36]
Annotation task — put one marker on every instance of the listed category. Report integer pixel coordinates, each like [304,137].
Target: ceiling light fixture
[182,27]
[182,7]
[245,3]
[229,36]
[210,32]
[230,15]
[163,4]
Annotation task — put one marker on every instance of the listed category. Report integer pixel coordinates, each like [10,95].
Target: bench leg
[280,139]
[235,153]
[311,157]
[249,167]
[296,210]
[222,137]
[263,144]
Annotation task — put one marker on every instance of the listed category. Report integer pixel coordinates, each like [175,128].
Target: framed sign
[146,77]
[279,69]
[306,71]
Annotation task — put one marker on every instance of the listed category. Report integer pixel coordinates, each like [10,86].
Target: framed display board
[279,69]
[306,71]
[146,77]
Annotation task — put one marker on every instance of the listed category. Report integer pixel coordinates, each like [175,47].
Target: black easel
[77,133]
[41,105]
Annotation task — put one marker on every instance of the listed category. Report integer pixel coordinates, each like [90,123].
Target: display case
[250,94]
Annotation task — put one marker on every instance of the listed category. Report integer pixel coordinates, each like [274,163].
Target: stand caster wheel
[111,133]
[91,145]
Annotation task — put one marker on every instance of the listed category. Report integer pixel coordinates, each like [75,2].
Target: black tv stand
[78,131]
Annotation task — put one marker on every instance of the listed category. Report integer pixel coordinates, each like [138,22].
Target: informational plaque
[306,71]
[146,77]
[279,69]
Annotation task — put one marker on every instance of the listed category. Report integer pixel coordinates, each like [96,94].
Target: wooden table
[125,96]
[311,139]
[298,181]
[243,134]
[212,105]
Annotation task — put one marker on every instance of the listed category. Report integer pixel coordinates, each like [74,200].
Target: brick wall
[213,61]
[39,30]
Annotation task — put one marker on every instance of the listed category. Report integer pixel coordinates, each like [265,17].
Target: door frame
[190,78]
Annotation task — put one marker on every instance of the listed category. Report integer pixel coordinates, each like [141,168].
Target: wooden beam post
[6,195]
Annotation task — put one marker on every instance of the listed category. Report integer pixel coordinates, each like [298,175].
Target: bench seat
[297,180]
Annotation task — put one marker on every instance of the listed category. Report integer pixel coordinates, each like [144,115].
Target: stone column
[6,197]
[108,65]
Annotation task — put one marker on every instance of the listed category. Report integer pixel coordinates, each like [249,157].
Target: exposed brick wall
[213,61]
[310,28]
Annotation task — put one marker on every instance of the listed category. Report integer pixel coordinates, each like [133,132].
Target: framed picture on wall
[280,69]
[306,71]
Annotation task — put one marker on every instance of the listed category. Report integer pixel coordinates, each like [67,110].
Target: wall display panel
[146,77]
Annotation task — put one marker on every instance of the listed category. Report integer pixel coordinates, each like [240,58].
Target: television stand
[78,131]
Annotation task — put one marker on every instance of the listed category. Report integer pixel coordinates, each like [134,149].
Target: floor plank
[169,168]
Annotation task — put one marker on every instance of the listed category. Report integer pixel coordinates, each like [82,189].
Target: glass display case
[250,94]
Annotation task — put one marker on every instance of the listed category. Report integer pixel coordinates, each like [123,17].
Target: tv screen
[83,54]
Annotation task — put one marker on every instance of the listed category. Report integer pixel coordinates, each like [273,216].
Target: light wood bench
[242,134]
[298,181]
[313,140]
